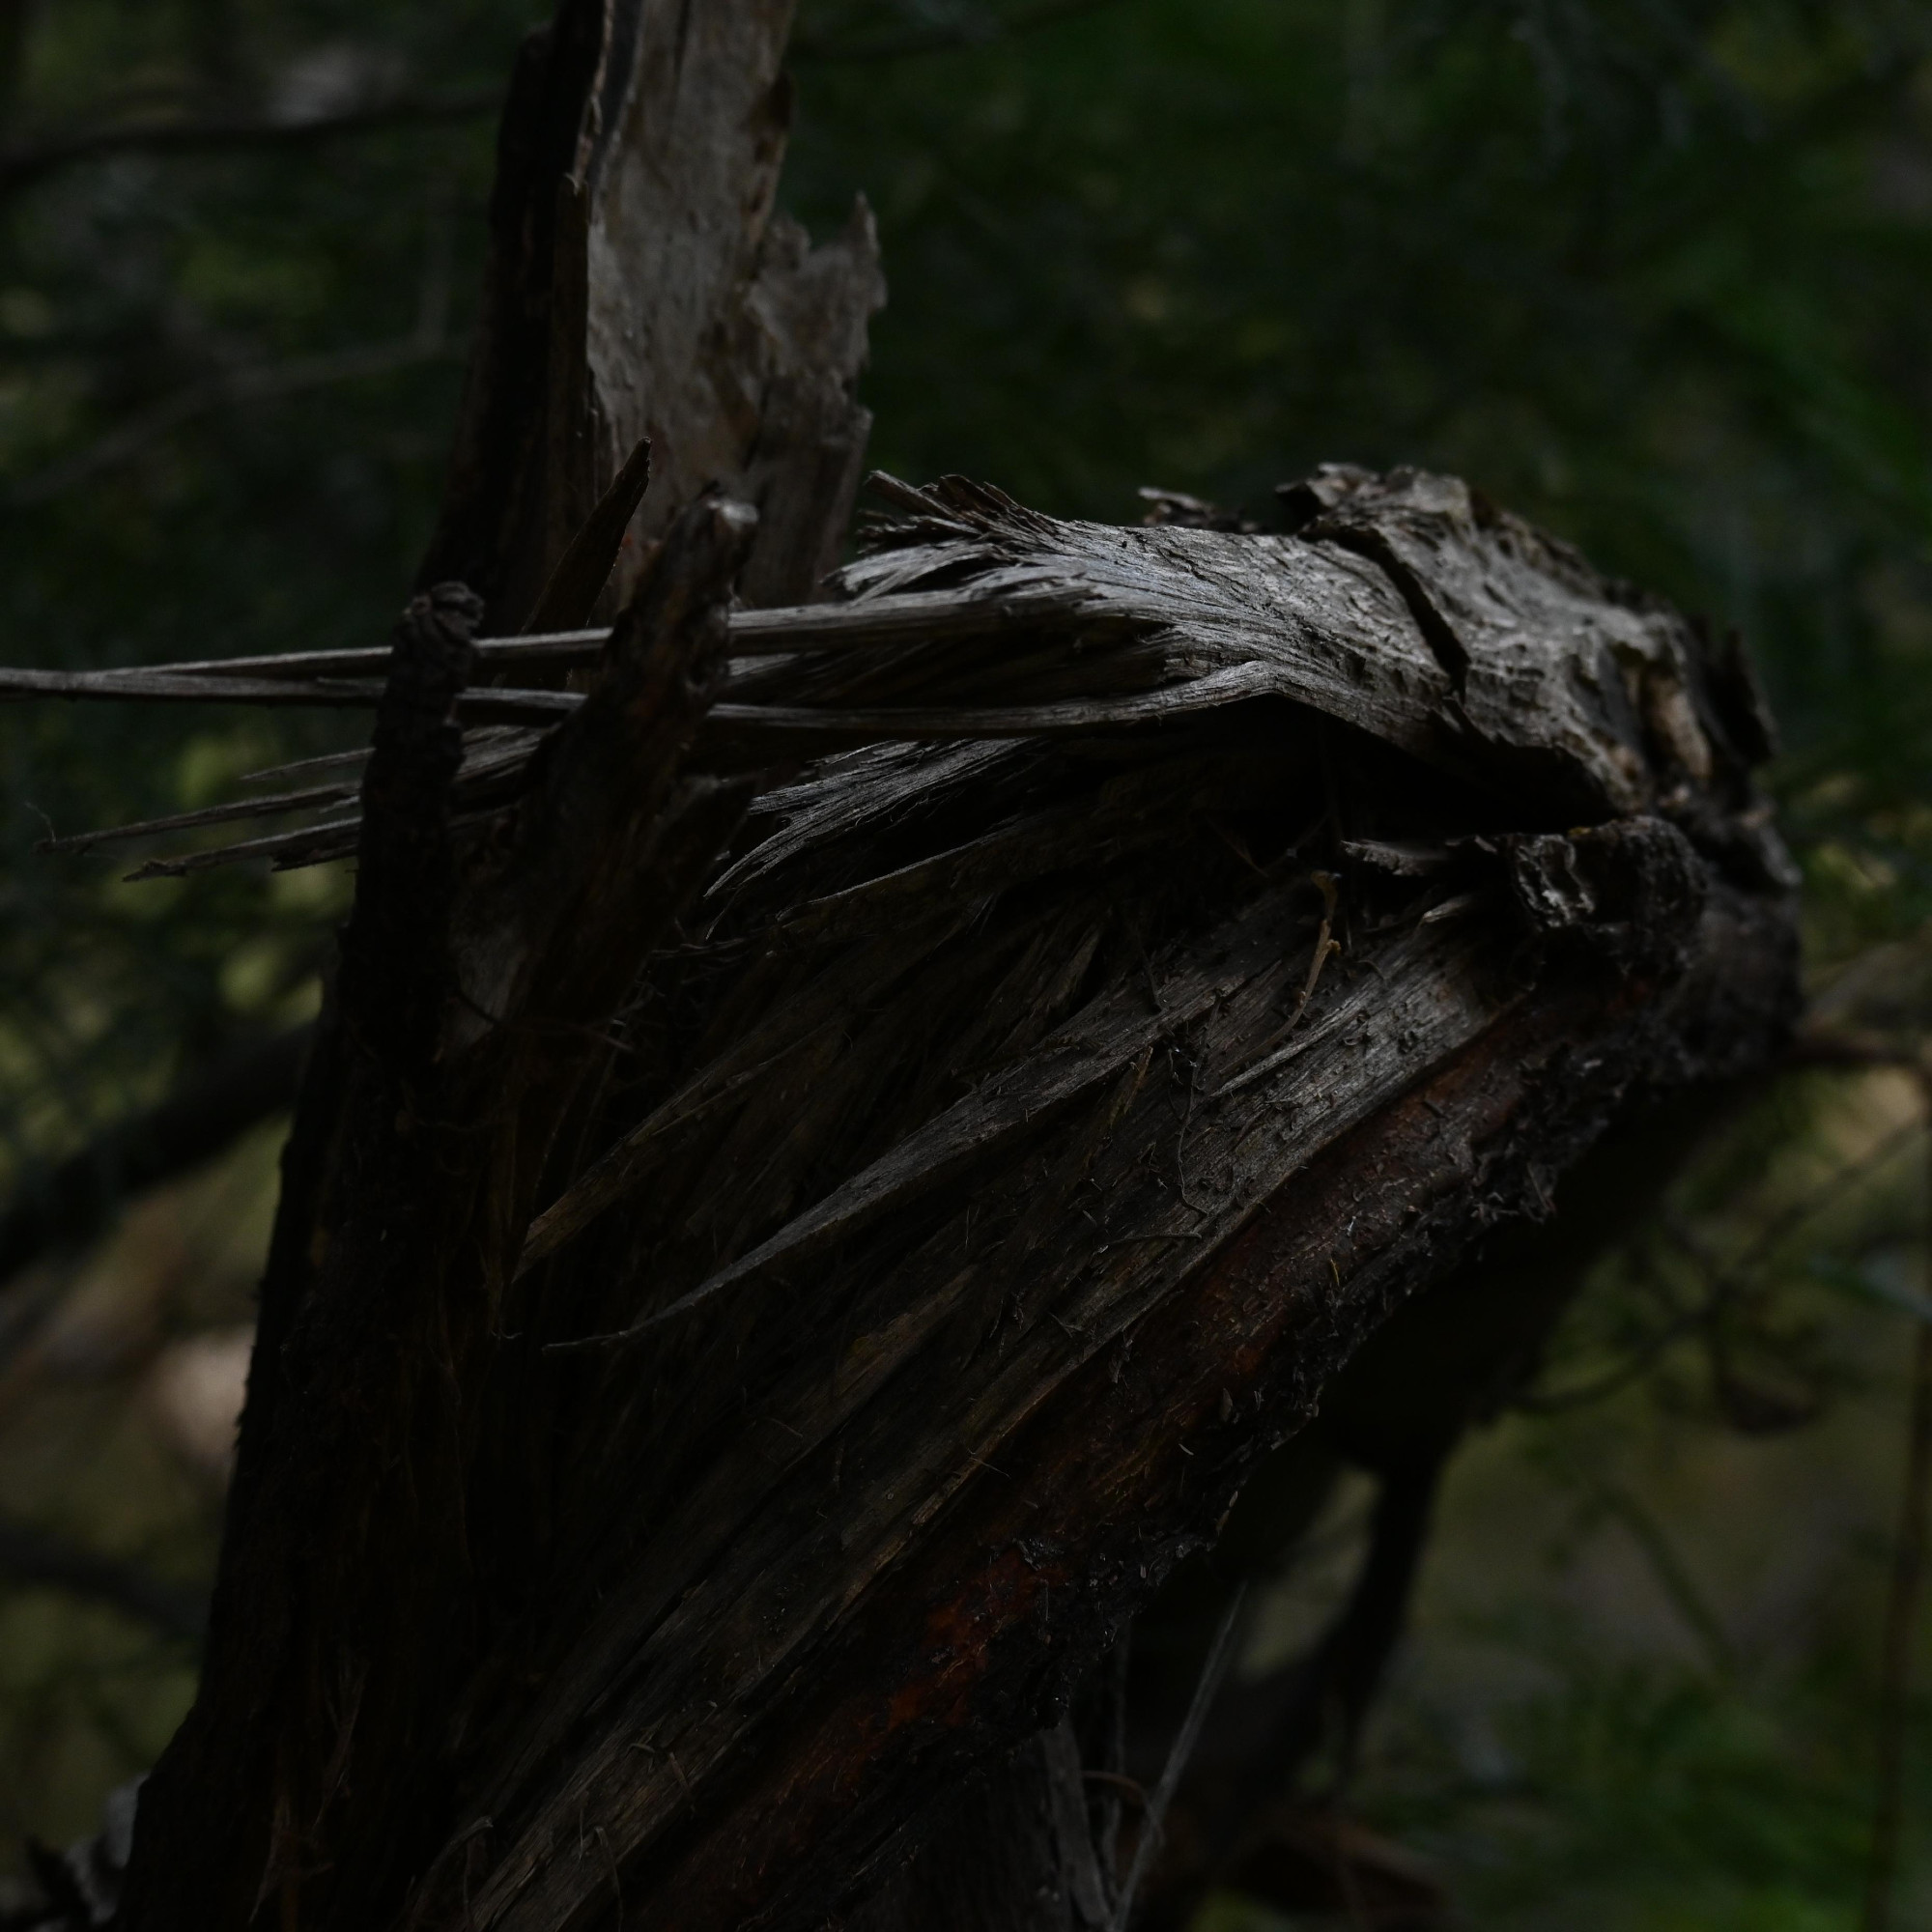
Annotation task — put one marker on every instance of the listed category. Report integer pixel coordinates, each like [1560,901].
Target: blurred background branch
[34,1558]
[202,1118]
[28,161]
[426,341]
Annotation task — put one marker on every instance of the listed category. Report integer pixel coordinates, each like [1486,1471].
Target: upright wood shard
[714,328]
[807,309]
[642,288]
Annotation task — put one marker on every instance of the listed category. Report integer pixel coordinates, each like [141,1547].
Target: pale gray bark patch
[642,288]
[714,327]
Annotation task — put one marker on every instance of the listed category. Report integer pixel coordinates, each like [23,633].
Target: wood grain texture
[642,288]
[976,620]
[845,1129]
[726,1199]
[755,1289]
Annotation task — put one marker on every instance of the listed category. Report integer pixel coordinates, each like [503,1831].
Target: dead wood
[847,1131]
[641,288]
[935,1231]
[977,1061]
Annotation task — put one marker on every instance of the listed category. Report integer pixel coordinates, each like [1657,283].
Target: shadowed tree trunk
[845,1130]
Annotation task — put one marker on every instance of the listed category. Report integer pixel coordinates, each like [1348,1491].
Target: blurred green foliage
[1650,270]
[183,474]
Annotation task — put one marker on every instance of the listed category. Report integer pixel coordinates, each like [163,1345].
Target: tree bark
[950,1241]
[817,1183]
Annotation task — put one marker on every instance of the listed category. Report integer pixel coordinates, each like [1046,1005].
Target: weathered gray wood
[741,369]
[1565,690]
[656,297]
[1448,650]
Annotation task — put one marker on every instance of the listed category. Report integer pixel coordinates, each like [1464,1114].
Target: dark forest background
[1654,271]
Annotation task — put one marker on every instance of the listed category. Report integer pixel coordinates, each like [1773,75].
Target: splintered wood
[1409,610]
[926,1087]
[978,1051]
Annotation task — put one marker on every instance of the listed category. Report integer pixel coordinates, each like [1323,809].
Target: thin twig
[339,694]
[877,624]
[1220,1652]
[327,839]
[269,806]
[1271,1052]
[1325,944]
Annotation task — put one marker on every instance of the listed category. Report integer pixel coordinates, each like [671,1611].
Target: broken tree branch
[803,1180]
[1620,942]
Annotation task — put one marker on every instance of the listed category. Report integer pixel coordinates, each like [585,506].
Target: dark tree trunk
[844,1134]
